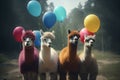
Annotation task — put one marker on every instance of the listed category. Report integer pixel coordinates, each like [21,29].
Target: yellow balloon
[92,23]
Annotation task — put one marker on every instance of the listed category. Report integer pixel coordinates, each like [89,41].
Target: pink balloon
[84,32]
[17,33]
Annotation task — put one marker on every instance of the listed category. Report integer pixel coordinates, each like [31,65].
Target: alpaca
[68,58]
[89,67]
[28,57]
[48,57]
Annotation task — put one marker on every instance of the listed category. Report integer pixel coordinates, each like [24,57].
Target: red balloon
[17,33]
[84,32]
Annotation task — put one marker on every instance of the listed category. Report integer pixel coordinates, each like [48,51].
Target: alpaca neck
[45,52]
[72,50]
[87,51]
[29,53]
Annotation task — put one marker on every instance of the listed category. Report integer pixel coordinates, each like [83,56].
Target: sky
[67,4]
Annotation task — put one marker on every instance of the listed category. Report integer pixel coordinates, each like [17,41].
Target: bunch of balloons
[92,25]
[49,18]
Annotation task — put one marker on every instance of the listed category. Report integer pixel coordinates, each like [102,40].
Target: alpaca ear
[94,36]
[85,36]
[69,31]
[53,32]
[41,32]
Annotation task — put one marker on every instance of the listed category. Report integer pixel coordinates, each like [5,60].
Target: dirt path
[9,70]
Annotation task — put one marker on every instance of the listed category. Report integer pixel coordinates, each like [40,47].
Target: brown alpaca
[89,67]
[68,59]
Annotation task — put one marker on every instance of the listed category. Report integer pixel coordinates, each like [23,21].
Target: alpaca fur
[48,57]
[89,67]
[68,58]
[28,57]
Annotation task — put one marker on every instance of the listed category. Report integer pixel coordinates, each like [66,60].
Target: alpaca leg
[73,75]
[34,76]
[42,76]
[25,76]
[53,76]
[92,76]
[84,76]
[62,76]
[93,71]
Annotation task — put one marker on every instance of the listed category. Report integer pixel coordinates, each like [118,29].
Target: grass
[111,71]
[110,67]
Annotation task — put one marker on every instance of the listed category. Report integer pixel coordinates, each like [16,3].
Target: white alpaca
[48,57]
[89,67]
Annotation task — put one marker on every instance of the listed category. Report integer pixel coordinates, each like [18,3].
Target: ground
[108,62]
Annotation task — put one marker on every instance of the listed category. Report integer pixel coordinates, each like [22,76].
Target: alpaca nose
[91,41]
[49,42]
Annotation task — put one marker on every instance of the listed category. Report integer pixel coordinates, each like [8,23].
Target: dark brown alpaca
[68,59]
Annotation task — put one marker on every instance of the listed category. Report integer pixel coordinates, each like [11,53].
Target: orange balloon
[92,23]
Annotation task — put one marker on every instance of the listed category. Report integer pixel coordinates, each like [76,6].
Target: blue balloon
[34,8]
[60,13]
[49,19]
[37,41]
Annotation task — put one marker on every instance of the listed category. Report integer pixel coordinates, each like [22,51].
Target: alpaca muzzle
[49,42]
[28,42]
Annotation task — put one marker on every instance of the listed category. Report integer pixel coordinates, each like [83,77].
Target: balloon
[17,33]
[60,13]
[49,19]
[84,32]
[34,8]
[92,23]
[37,41]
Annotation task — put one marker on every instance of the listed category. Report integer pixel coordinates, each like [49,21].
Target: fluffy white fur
[48,57]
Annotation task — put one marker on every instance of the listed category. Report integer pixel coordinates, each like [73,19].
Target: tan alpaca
[89,67]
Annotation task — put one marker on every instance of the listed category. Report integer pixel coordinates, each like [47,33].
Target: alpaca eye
[24,38]
[45,39]
[78,36]
[87,40]
[93,40]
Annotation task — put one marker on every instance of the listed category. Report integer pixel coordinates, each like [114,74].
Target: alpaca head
[89,40]
[73,37]
[28,39]
[46,38]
